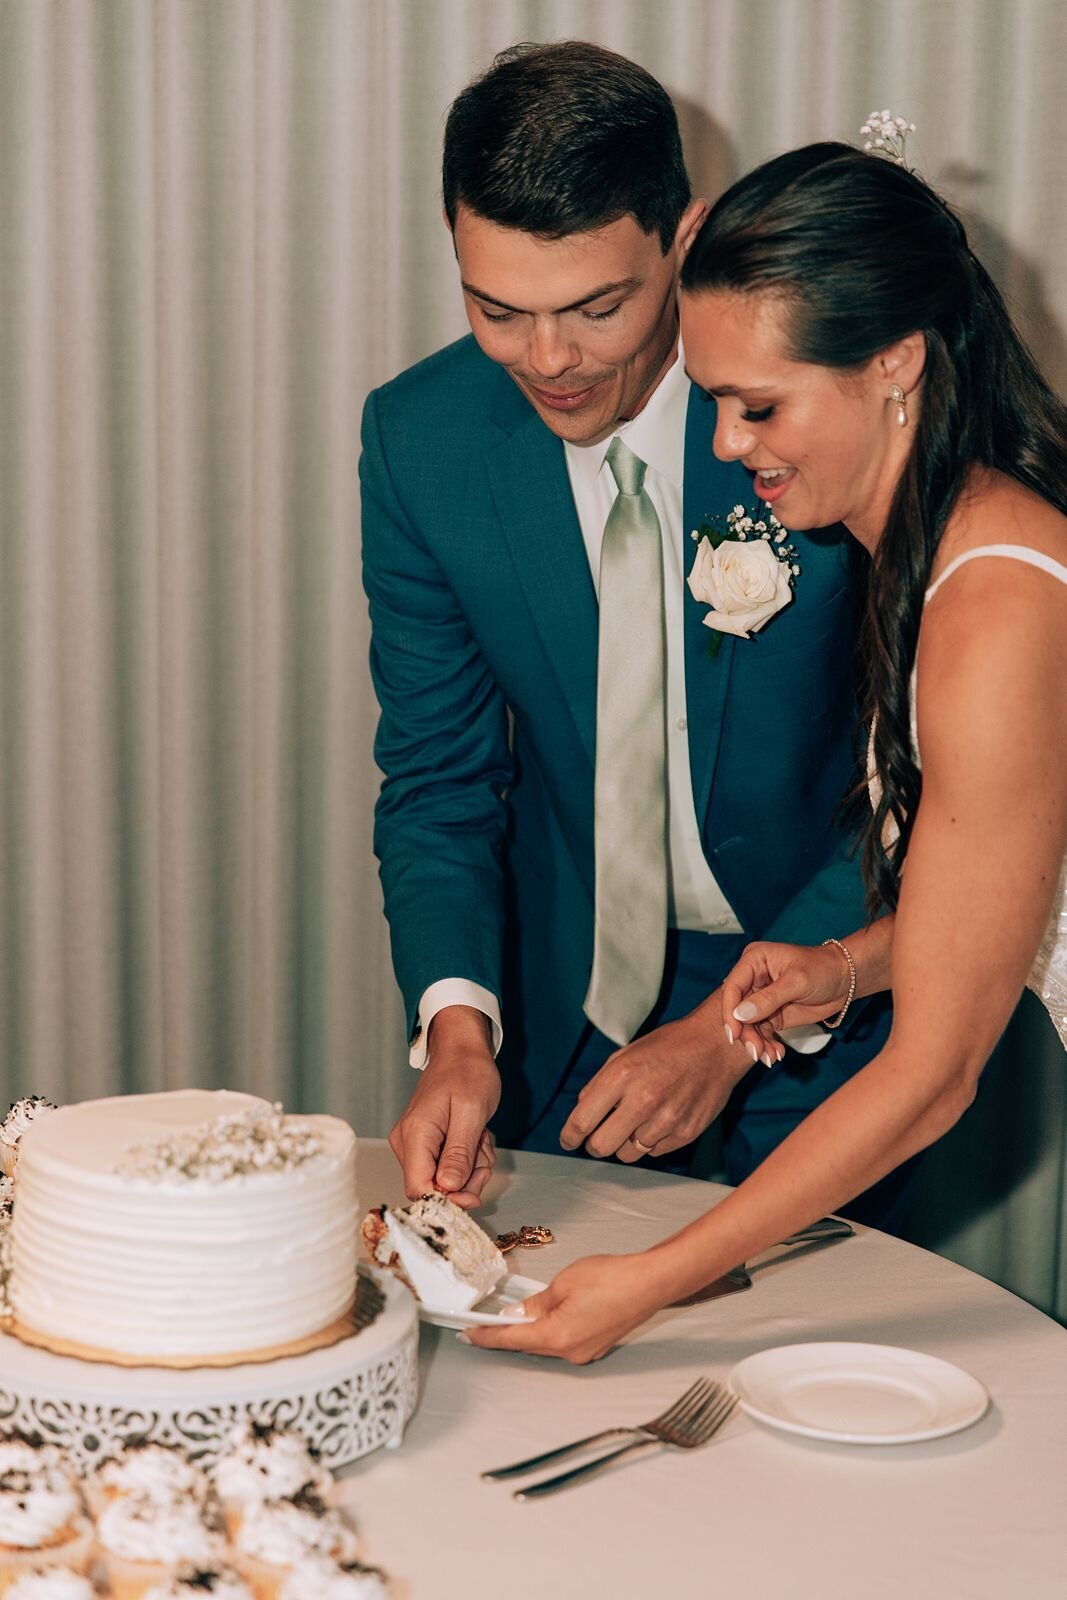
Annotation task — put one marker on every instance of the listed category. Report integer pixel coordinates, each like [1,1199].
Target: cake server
[825,1230]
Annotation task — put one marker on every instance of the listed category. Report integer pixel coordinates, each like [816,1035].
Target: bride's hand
[775,986]
[583,1313]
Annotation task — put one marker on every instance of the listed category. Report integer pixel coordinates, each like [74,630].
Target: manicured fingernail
[464,1338]
[729,1032]
[745,1011]
[767,1059]
[751,1048]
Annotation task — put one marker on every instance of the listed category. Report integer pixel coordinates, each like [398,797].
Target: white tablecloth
[757,1514]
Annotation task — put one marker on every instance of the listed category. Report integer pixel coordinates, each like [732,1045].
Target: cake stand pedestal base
[345,1400]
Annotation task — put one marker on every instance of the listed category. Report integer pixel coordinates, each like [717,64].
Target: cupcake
[278,1537]
[154,1471]
[193,1583]
[319,1578]
[143,1542]
[265,1463]
[51,1583]
[23,1452]
[42,1521]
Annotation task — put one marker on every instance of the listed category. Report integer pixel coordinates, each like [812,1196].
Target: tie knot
[627,469]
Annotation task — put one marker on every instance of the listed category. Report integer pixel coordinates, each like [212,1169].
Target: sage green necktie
[630,793]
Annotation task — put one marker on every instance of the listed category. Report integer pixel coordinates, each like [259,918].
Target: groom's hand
[442,1141]
[665,1089]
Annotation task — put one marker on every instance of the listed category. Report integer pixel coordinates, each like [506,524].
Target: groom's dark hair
[562,138]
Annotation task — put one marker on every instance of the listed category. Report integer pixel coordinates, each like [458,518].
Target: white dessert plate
[496,1309]
[858,1393]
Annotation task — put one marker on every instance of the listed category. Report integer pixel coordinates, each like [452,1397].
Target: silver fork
[693,1396]
[695,1427]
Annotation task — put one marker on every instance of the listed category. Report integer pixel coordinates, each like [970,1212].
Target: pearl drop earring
[897,395]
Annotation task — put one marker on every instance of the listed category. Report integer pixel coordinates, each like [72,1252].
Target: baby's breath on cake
[237,1146]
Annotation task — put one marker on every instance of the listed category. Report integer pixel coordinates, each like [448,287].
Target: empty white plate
[498,1307]
[858,1393]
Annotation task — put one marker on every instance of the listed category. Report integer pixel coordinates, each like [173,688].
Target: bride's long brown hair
[864,253]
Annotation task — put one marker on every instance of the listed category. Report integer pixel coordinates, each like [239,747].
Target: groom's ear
[690,225]
[904,362]
[451,230]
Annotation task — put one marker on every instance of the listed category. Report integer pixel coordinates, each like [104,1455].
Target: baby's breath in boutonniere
[743,570]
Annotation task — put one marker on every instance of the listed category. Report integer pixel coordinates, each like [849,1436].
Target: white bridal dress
[1048,975]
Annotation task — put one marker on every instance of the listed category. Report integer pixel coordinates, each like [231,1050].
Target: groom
[585,813]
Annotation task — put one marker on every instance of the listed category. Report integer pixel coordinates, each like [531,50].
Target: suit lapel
[710,488]
[531,488]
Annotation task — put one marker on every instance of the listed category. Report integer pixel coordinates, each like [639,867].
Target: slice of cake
[449,1262]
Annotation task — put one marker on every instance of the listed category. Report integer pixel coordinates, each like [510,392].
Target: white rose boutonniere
[744,572]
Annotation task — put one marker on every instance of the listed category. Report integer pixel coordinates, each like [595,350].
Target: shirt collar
[656,434]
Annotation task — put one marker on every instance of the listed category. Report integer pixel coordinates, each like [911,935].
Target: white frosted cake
[190,1224]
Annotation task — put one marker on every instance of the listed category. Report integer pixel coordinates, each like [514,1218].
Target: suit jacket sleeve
[442,746]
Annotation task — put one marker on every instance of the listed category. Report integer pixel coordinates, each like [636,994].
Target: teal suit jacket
[484,658]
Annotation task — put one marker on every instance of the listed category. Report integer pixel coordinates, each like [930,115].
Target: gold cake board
[366,1305]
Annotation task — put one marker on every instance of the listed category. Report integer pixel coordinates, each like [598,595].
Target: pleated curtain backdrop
[219,227]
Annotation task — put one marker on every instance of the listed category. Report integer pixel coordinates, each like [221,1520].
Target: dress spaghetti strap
[1012,552]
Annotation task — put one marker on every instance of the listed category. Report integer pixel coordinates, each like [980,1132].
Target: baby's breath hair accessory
[887,134]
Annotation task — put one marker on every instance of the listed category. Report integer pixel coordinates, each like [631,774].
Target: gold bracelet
[835,1022]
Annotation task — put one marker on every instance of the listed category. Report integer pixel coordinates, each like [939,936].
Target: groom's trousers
[767,1104]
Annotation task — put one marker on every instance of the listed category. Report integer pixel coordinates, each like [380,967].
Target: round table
[757,1514]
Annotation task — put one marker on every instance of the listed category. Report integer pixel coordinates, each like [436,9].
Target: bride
[867,372]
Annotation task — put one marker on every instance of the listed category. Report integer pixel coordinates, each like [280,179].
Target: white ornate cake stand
[345,1400]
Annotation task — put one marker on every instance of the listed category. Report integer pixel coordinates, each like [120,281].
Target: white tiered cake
[193,1225]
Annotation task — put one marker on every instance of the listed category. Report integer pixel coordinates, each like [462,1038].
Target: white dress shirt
[694,899]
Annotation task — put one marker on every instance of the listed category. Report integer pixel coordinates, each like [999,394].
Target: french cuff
[808,1038]
[452,992]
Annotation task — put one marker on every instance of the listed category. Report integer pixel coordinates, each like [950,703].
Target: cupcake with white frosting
[193,1583]
[319,1578]
[277,1538]
[42,1519]
[19,1452]
[14,1125]
[144,1542]
[265,1463]
[51,1583]
[154,1471]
